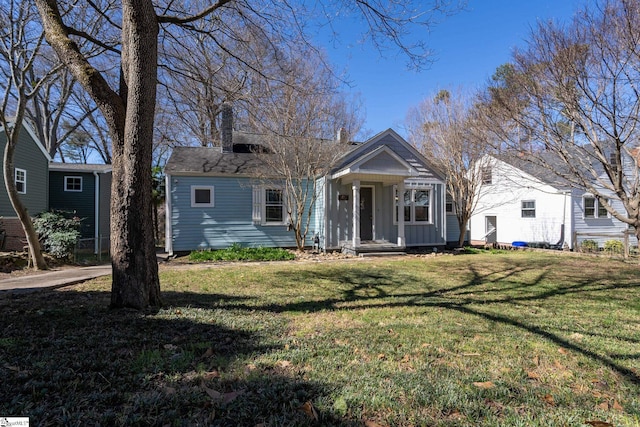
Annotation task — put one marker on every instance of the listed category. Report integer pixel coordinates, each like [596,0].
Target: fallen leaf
[283,363]
[369,423]
[604,406]
[231,396]
[170,347]
[12,368]
[471,354]
[558,365]
[212,393]
[549,399]
[563,351]
[533,375]
[308,409]
[484,385]
[406,358]
[598,423]
[211,375]
[617,406]
[207,353]
[536,360]
[381,356]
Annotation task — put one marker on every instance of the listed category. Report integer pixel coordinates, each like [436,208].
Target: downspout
[96,232]
[443,212]
[168,229]
[560,243]
[326,214]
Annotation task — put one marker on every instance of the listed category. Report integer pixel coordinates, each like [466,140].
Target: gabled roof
[369,163]
[34,137]
[211,161]
[417,161]
[80,167]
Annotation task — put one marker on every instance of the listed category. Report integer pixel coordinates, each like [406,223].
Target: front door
[366,213]
[491,229]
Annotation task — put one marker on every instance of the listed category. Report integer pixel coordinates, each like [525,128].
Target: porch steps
[381,254]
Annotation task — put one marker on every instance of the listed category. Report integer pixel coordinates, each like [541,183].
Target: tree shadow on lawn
[383,288]
[66,359]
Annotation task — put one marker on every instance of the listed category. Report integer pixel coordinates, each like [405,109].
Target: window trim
[211,202]
[23,181]
[412,213]
[596,208]
[524,209]
[263,207]
[486,175]
[66,183]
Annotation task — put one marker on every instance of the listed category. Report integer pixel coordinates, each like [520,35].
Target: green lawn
[511,339]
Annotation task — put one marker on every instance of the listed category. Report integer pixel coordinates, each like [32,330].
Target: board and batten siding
[229,221]
[28,156]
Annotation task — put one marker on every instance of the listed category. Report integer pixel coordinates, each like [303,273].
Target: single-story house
[521,202]
[382,194]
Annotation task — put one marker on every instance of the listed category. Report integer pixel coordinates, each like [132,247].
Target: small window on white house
[528,208]
[21,180]
[487,175]
[449,208]
[202,196]
[73,183]
[593,208]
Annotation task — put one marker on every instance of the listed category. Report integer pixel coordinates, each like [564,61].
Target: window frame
[410,205]
[66,183]
[486,175]
[23,181]
[599,211]
[210,204]
[265,204]
[524,209]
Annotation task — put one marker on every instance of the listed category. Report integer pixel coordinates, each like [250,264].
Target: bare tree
[445,129]
[21,39]
[577,90]
[129,109]
[301,119]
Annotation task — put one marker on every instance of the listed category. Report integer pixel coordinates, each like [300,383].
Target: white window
[202,196]
[449,207]
[528,208]
[487,175]
[269,206]
[593,208]
[21,180]
[417,205]
[73,183]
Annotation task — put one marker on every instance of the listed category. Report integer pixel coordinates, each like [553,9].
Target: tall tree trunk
[27,225]
[135,269]
[462,225]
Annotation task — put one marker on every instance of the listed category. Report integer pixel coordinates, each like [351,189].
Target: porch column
[355,187]
[401,239]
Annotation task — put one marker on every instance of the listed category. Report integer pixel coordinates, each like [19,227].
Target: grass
[484,339]
[238,253]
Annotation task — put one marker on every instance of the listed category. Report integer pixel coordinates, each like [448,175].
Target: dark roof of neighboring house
[212,161]
[80,167]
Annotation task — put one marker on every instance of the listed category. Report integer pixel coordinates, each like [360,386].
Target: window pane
[421,205]
[273,213]
[273,196]
[602,212]
[486,175]
[202,195]
[589,207]
[407,206]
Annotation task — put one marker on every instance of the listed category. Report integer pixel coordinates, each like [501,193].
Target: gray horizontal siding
[586,226]
[29,157]
[229,221]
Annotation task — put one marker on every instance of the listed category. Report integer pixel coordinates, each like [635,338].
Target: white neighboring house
[516,206]
[519,202]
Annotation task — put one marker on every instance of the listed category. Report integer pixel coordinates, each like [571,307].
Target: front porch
[372,247]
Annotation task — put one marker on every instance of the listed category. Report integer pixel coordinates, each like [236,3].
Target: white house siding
[229,221]
[503,198]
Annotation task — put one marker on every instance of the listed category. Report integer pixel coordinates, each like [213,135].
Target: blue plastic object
[519,244]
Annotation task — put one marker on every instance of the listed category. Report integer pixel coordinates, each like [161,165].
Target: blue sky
[468,47]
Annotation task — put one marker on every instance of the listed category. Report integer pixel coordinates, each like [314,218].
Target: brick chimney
[226,128]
